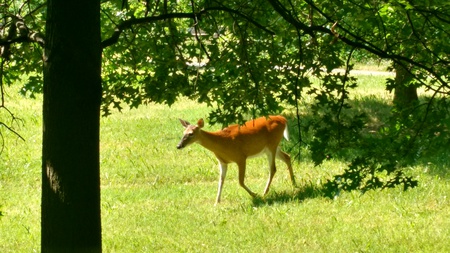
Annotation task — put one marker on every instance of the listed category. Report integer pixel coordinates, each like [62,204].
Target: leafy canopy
[249,58]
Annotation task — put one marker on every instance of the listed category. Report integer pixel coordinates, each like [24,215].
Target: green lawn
[156,198]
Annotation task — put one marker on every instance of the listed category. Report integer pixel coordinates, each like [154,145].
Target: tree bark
[405,95]
[70,211]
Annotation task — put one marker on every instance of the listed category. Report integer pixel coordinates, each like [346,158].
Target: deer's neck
[211,140]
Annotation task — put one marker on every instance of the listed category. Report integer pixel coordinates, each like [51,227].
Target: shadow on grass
[438,165]
[299,194]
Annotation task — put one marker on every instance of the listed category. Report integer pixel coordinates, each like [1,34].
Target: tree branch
[24,34]
[127,24]
[11,130]
[279,7]
[31,37]
[356,42]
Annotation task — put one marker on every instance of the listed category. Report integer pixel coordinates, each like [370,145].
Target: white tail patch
[286,133]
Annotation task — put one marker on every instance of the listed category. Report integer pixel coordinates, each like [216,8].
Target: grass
[156,198]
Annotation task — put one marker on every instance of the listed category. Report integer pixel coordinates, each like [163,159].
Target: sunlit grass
[156,198]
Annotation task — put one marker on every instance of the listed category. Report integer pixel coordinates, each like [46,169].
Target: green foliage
[377,158]
[246,59]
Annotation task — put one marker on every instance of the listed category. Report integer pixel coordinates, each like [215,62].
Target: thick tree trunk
[70,216]
[405,95]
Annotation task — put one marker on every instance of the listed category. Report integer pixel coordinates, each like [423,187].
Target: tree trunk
[405,95]
[70,211]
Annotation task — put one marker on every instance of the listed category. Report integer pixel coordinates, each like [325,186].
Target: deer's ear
[200,123]
[184,123]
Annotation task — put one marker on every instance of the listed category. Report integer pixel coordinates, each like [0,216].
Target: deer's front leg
[223,167]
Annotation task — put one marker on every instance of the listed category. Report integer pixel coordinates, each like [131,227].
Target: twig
[12,130]
[343,95]
[197,30]
[2,106]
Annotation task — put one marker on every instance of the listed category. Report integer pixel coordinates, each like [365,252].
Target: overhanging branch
[19,33]
[354,40]
[127,24]
[29,37]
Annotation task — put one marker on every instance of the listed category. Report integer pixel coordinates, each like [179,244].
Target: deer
[236,143]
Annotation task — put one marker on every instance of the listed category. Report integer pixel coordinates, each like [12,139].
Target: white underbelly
[265,151]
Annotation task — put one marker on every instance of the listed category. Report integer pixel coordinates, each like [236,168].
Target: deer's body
[236,143]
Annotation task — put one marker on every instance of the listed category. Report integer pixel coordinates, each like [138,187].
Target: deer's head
[190,134]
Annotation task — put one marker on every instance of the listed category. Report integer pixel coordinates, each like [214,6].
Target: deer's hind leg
[242,167]
[286,159]
[272,170]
